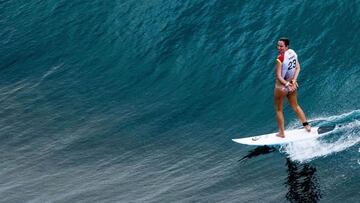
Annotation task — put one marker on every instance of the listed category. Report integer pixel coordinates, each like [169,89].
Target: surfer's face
[281,47]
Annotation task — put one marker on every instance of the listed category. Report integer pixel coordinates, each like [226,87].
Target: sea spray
[346,135]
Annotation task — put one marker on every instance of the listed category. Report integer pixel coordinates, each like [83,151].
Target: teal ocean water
[138,100]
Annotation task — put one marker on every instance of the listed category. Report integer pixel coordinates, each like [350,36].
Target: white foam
[354,113]
[48,73]
[345,137]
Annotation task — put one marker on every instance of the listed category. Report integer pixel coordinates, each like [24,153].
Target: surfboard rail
[290,136]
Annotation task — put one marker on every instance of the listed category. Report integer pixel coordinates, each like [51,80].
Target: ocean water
[138,100]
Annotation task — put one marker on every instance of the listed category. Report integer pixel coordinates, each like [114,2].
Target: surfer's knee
[279,111]
[278,106]
[296,108]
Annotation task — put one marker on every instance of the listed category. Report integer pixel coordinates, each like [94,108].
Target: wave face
[137,101]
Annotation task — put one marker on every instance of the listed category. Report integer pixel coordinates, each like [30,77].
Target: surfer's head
[285,40]
[283,45]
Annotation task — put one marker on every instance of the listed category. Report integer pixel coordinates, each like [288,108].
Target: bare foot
[307,128]
[280,135]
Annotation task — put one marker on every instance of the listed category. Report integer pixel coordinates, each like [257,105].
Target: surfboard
[290,136]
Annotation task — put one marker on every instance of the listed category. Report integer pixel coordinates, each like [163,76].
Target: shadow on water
[301,181]
[258,151]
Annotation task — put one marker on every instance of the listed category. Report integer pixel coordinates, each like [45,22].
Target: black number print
[292,64]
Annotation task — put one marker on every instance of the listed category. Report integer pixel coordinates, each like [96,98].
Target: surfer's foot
[307,126]
[280,135]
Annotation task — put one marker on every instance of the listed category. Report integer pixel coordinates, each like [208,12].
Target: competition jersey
[288,64]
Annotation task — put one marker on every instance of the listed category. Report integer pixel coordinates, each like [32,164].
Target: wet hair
[285,40]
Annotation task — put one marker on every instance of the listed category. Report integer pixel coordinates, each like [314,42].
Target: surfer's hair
[285,40]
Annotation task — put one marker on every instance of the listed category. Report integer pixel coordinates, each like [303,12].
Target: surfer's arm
[297,70]
[296,74]
[278,73]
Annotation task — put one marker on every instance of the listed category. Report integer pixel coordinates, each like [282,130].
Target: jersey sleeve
[280,58]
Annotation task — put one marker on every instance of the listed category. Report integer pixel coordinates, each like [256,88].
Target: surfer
[287,70]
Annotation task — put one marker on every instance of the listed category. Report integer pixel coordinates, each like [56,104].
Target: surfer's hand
[292,87]
[294,82]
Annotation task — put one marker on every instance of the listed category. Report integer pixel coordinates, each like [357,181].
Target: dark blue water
[137,101]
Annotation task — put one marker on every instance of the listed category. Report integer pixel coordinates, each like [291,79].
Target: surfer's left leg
[297,109]
[279,96]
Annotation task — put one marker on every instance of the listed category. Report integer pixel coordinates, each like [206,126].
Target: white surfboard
[290,136]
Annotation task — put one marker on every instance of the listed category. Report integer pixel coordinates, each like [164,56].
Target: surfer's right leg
[279,96]
[297,109]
